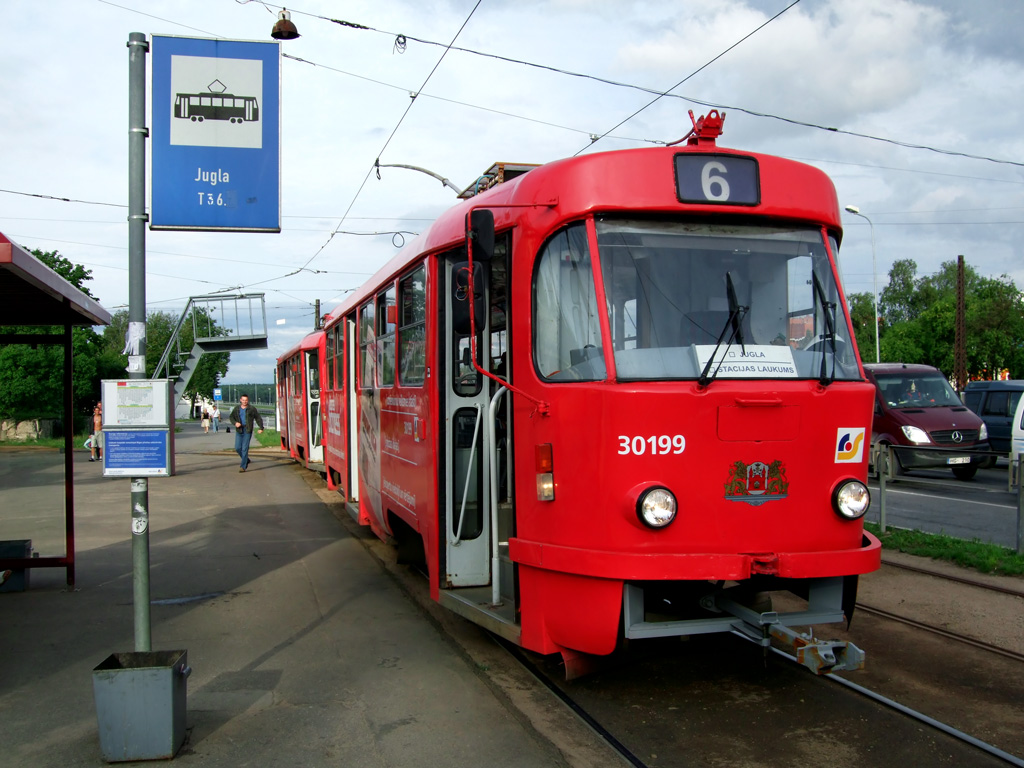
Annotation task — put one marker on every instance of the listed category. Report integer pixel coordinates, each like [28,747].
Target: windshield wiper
[830,329]
[736,315]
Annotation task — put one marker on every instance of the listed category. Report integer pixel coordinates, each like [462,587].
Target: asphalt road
[935,502]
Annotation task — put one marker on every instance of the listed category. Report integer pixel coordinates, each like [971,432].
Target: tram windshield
[731,302]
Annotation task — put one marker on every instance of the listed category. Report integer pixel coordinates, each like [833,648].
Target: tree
[899,301]
[159,329]
[862,315]
[920,313]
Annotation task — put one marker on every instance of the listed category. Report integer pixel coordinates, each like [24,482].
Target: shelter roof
[33,294]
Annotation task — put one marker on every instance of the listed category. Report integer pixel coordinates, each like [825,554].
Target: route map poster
[136,403]
[216,137]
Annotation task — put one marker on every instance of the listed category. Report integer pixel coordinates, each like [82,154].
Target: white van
[1017,431]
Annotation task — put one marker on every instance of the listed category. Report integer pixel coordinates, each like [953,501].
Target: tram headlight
[656,507]
[851,499]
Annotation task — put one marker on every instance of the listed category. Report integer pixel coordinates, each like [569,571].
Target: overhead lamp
[284,29]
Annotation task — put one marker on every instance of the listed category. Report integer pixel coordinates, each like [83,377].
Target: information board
[137,453]
[129,403]
[216,135]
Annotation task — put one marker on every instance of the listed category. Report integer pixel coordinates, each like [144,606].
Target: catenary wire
[618,84]
[699,69]
[693,100]
[392,135]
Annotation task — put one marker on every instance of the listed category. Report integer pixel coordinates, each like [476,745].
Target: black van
[995,402]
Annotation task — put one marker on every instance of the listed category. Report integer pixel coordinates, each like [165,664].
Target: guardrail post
[883,471]
[1020,509]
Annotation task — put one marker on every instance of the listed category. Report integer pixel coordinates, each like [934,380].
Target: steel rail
[603,733]
[941,632]
[958,579]
[919,716]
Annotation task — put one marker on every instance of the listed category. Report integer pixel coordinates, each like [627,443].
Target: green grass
[982,557]
[56,443]
[269,438]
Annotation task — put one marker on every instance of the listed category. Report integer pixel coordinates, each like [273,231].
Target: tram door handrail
[492,451]
[469,475]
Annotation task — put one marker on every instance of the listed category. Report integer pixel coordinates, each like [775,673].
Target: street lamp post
[874,274]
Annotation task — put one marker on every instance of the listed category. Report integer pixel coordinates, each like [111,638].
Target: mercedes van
[915,407]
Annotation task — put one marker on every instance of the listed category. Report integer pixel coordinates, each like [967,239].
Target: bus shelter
[32,294]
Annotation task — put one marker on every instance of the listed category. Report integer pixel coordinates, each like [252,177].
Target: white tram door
[466,398]
[352,408]
[315,425]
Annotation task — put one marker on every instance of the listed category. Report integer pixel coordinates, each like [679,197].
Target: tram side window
[329,360]
[412,331]
[313,373]
[567,330]
[387,321]
[367,347]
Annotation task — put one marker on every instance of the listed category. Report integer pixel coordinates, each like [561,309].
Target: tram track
[940,631]
[592,722]
[633,759]
[960,638]
[917,715]
[958,579]
[603,731]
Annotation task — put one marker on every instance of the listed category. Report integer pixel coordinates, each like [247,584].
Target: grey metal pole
[137,218]
[883,470]
[1020,506]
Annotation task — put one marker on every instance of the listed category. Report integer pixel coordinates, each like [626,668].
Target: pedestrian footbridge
[216,323]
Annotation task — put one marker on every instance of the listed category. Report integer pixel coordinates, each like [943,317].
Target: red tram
[633,407]
[299,373]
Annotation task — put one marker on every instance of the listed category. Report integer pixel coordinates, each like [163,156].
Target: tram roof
[33,294]
[620,181]
[309,341]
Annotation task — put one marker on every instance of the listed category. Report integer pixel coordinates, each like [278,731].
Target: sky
[914,108]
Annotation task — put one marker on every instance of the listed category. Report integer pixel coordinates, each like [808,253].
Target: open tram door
[474,431]
[314,422]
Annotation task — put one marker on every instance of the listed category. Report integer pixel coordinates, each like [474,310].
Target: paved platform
[305,649]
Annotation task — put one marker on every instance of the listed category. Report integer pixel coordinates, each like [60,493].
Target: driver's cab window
[566,315]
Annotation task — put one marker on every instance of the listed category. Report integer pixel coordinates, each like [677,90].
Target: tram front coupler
[819,656]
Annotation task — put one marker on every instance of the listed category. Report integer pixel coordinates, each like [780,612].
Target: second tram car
[299,373]
[632,408]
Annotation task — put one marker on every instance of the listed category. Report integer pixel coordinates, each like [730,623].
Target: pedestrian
[96,438]
[206,421]
[215,418]
[244,417]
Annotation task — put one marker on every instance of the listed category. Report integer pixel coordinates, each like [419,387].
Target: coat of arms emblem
[756,483]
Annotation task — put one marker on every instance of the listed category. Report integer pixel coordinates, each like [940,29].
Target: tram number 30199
[659,444]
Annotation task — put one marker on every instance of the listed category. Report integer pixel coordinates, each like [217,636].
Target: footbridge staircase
[217,323]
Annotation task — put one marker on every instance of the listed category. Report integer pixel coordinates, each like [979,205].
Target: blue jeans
[215,421]
[242,439]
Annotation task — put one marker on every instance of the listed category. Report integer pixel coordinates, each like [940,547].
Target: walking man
[215,418]
[244,417]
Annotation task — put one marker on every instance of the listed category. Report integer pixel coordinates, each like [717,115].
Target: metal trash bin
[140,704]
[17,579]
